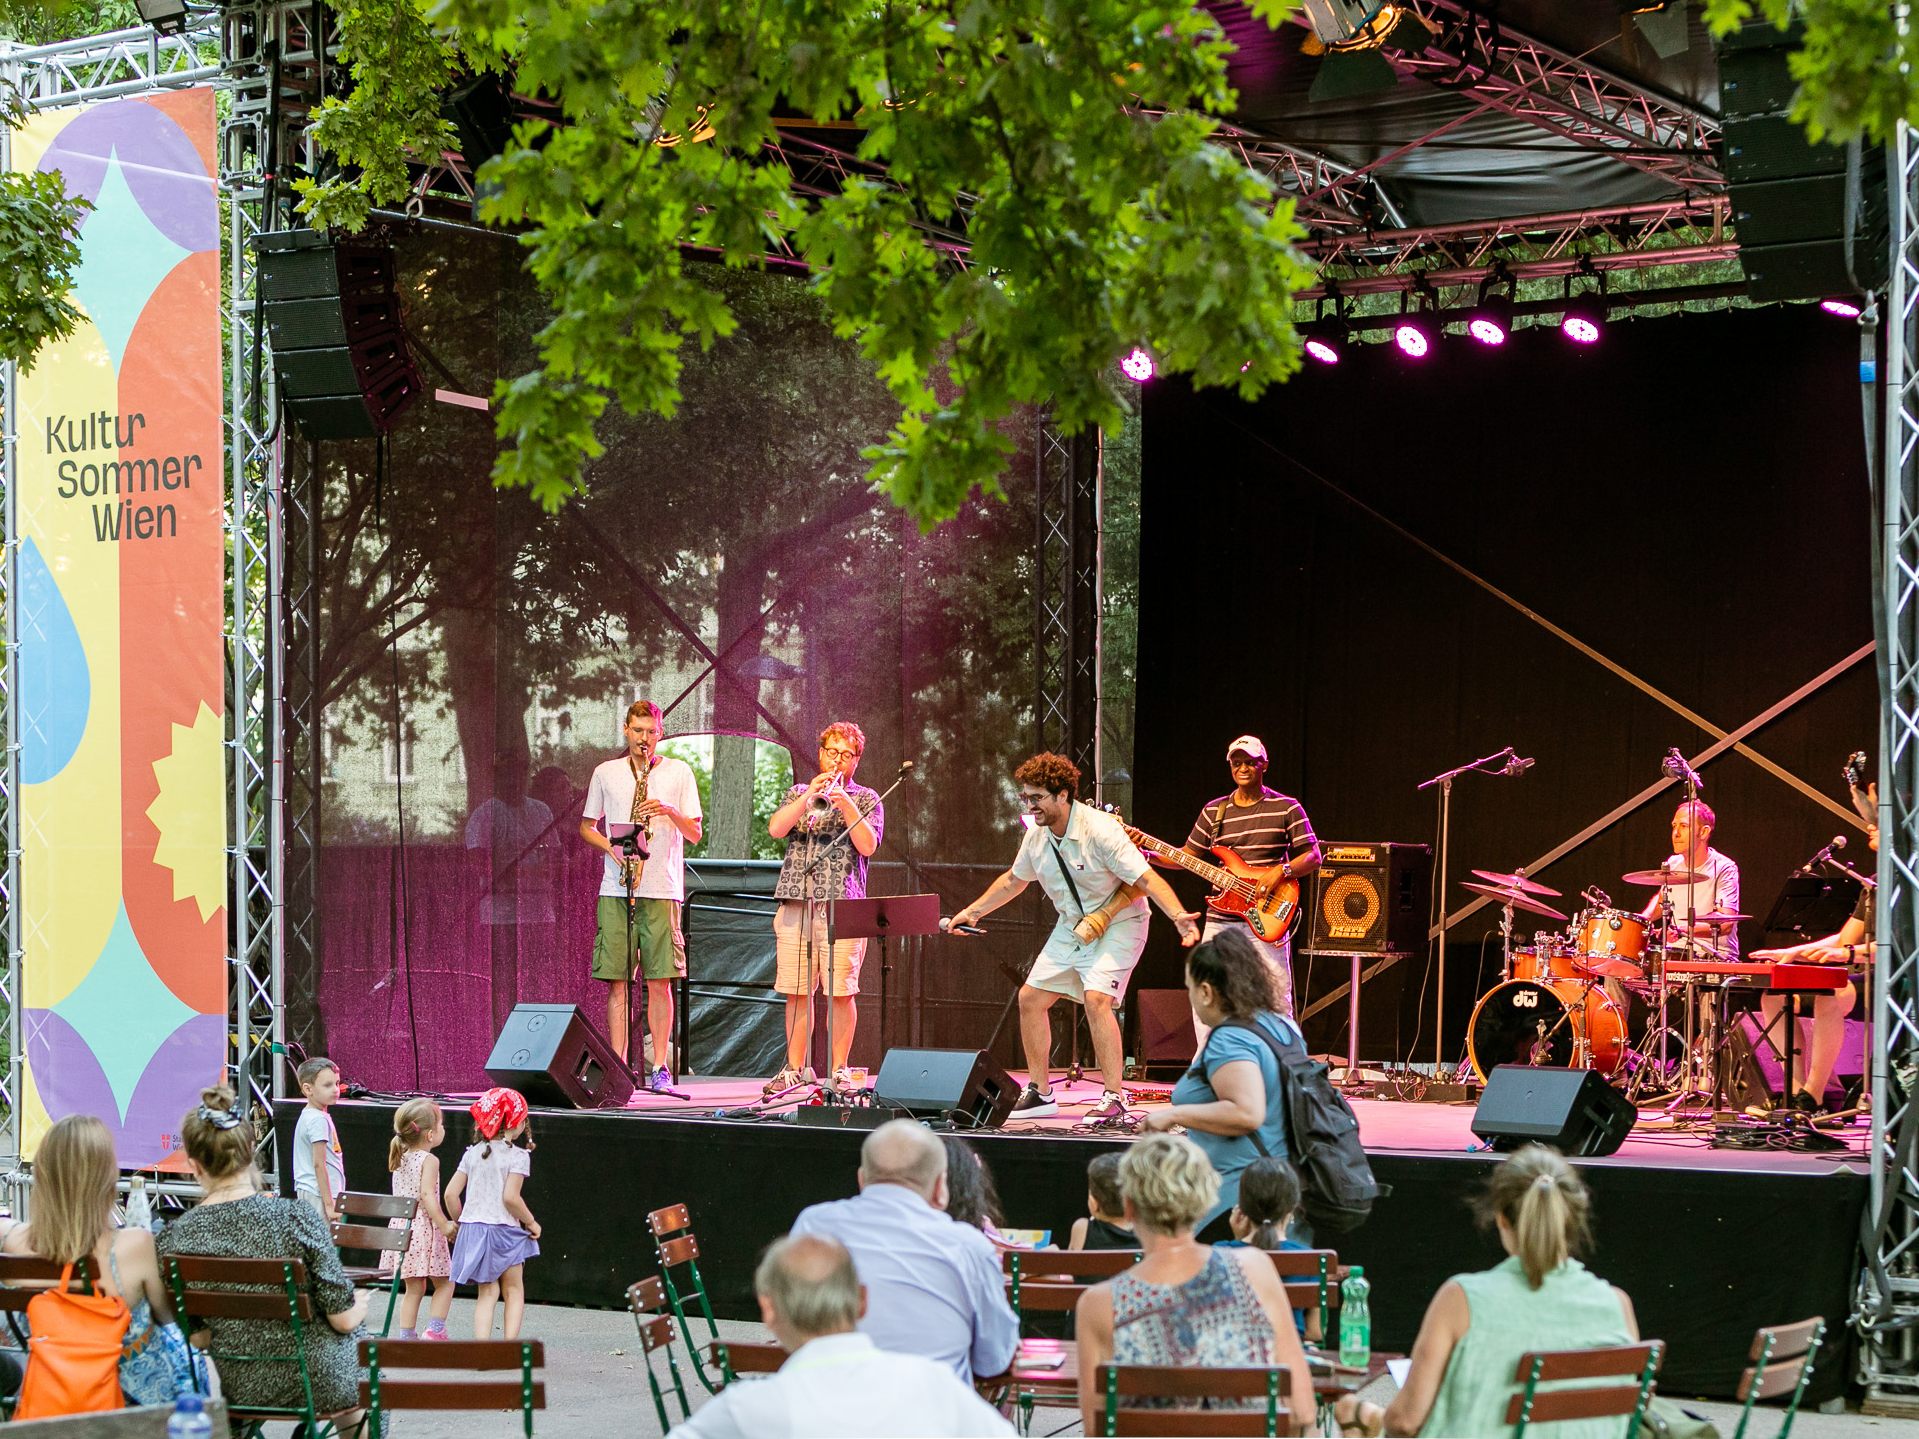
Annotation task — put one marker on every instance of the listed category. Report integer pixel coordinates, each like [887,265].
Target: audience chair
[646,1301]
[678,1249]
[1194,1385]
[738,1358]
[1311,1277]
[206,1288]
[374,1239]
[1572,1397]
[380,1391]
[1782,1362]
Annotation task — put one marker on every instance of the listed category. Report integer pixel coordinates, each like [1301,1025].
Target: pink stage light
[1487,332]
[1845,309]
[1579,330]
[1322,351]
[1412,340]
[1138,366]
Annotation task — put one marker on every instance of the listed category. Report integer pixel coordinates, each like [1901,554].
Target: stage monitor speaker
[1370,898]
[1166,1034]
[1574,1110]
[333,320]
[1789,196]
[555,1058]
[966,1083]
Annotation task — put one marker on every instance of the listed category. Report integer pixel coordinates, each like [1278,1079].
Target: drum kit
[1596,994]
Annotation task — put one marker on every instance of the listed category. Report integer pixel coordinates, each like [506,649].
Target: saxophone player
[641,894]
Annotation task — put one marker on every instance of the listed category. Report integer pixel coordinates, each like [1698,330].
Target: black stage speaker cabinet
[1573,1110]
[339,354]
[1368,898]
[555,1058]
[1790,196]
[1167,1039]
[967,1083]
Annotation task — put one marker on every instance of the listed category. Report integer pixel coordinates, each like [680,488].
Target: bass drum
[1526,1022]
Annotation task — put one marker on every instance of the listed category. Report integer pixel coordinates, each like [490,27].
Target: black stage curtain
[1688,499]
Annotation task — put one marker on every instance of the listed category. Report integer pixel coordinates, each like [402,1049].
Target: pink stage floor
[1384,1126]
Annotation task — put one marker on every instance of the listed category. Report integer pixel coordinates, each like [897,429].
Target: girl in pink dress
[419,1129]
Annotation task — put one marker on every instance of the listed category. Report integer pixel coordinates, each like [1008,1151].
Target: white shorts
[1065,966]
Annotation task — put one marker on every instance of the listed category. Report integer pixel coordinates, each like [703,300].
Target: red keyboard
[1829,977]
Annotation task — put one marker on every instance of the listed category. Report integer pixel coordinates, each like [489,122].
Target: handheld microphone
[948,927]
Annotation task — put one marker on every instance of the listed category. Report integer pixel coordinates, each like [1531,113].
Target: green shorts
[656,933]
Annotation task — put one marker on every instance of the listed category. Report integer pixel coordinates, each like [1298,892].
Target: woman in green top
[1540,1298]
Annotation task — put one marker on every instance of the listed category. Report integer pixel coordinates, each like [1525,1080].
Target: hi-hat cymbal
[1720,917]
[1515,899]
[1659,878]
[1513,881]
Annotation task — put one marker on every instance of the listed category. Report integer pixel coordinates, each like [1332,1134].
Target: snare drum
[1613,943]
[1526,1022]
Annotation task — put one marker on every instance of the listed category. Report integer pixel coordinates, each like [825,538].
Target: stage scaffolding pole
[1888,1308]
[1067,598]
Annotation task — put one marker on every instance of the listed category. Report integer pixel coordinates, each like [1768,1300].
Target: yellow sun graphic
[190,812]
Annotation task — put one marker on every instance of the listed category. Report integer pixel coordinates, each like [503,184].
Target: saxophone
[635,863]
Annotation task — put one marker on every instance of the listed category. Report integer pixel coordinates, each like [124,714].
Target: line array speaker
[1369,898]
[339,354]
[1789,196]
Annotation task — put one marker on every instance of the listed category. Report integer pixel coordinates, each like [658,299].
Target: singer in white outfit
[821,865]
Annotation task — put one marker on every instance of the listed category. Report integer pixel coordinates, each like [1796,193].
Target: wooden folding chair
[646,1301]
[678,1249]
[1573,1397]
[1782,1362]
[380,1391]
[206,1288]
[740,1357]
[1195,1385]
[1311,1277]
[374,1239]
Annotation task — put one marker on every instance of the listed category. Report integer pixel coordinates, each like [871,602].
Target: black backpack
[1336,1184]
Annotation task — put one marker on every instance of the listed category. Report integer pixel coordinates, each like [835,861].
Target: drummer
[1716,891]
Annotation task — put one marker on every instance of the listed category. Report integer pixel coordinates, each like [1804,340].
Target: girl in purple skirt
[498,1233]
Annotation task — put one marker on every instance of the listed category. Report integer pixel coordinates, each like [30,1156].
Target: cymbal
[1719,917]
[1515,899]
[1513,881]
[1662,877]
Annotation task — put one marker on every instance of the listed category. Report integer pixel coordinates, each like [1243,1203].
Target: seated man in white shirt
[834,1382]
[934,1285]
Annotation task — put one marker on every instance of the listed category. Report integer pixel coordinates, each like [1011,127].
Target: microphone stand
[832,901]
[1445,783]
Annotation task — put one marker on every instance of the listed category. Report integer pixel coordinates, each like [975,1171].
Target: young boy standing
[319,1169]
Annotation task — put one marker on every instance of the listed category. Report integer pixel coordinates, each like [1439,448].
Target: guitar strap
[1066,873]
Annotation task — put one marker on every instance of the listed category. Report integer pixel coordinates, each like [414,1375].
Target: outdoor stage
[1710,1243]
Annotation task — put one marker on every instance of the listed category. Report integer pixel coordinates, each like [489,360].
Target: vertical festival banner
[120,661]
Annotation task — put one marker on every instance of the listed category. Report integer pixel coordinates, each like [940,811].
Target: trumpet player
[821,865]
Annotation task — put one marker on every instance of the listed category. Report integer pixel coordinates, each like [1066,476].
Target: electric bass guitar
[1268,899]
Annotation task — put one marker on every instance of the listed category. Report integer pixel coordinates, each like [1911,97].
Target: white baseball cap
[1248,744]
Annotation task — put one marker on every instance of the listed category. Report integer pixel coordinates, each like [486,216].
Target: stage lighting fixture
[167,17]
[1844,306]
[1138,365]
[1491,320]
[1414,335]
[1366,25]
[1325,336]
[1583,321]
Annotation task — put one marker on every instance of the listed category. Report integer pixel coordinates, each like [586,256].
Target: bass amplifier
[1368,898]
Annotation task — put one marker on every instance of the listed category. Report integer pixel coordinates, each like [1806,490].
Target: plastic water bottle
[189,1419]
[139,1207]
[1355,1320]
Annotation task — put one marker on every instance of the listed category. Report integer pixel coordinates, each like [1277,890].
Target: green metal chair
[1119,1381]
[1782,1363]
[679,1250]
[381,1392]
[366,1214]
[646,1301]
[1570,1392]
[206,1288]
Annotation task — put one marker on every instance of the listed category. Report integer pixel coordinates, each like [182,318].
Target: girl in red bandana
[498,1233]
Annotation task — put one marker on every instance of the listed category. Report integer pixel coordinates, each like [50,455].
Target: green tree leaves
[1858,73]
[1090,226]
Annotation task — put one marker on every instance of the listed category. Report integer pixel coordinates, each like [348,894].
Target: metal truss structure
[1888,1315]
[1067,592]
[133,62]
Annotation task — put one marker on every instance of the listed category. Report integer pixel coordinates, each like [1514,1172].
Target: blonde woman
[1539,1297]
[76,1176]
[1185,1303]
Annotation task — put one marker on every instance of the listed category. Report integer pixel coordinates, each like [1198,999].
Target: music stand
[875,918]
